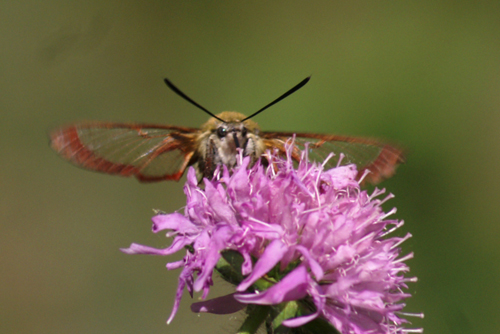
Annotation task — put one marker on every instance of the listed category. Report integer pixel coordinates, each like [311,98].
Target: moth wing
[148,152]
[380,158]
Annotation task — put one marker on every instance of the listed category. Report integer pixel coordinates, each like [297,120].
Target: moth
[153,152]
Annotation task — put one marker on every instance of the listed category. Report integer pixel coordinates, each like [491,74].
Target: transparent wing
[148,152]
[381,159]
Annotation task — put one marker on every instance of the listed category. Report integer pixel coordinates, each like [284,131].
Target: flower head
[313,235]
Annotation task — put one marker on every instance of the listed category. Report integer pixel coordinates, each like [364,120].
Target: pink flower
[311,235]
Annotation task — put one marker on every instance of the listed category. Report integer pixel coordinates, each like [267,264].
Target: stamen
[368,236]
[305,155]
[413,330]
[341,157]
[416,315]
[316,190]
[217,173]
[393,211]
[388,197]
[310,211]
[406,237]
[201,192]
[258,221]
[366,172]
[410,279]
[331,155]
[306,174]
[376,192]
[404,258]
[398,225]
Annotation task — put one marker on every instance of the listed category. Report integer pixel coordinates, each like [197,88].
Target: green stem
[254,319]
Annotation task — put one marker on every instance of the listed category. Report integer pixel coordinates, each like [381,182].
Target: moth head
[229,130]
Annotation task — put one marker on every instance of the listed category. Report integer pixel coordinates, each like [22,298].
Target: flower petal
[313,264]
[292,287]
[140,249]
[218,204]
[271,256]
[211,255]
[174,221]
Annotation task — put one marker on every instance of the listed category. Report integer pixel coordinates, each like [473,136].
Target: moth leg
[209,164]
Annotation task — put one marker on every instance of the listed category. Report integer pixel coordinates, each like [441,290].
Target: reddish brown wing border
[65,140]
[384,166]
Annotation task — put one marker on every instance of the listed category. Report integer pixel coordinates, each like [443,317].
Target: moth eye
[244,132]
[221,132]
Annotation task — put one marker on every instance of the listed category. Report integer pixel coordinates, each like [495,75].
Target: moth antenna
[187,98]
[289,92]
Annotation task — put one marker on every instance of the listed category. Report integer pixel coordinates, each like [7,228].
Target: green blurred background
[425,74]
